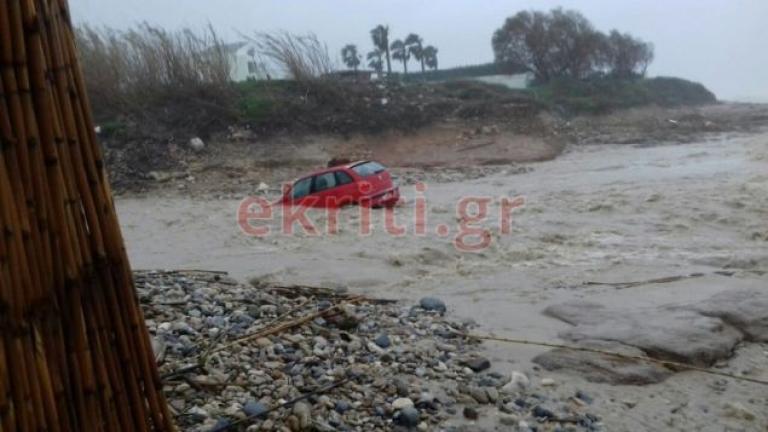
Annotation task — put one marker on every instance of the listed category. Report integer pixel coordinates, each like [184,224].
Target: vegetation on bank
[345,107]
[150,84]
[465,72]
[605,94]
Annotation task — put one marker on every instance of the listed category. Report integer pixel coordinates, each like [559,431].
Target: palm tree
[400,52]
[350,57]
[380,36]
[430,57]
[375,61]
[415,46]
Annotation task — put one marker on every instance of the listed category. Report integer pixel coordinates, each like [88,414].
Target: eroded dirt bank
[235,164]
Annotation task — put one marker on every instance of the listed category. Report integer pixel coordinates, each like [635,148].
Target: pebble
[342,406]
[303,413]
[470,413]
[548,382]
[478,364]
[401,403]
[254,408]
[408,417]
[479,394]
[629,403]
[245,381]
[401,387]
[196,144]
[372,347]
[432,304]
[263,342]
[426,401]
[493,394]
[383,341]
[542,412]
[508,420]
[518,382]
[221,425]
[584,397]
[738,411]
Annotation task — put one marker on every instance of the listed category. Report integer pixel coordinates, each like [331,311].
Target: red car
[365,183]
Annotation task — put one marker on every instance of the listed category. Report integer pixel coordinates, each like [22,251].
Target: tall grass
[305,60]
[301,57]
[138,71]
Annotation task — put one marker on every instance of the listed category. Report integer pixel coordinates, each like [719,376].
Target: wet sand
[603,213]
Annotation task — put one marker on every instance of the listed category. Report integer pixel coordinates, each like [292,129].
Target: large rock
[602,368]
[669,333]
[745,309]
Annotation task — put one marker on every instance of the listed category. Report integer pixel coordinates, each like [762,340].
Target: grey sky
[722,43]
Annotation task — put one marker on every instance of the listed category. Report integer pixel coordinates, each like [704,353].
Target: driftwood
[623,285]
[287,325]
[293,291]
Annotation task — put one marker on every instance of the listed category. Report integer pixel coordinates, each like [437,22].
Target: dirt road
[607,213]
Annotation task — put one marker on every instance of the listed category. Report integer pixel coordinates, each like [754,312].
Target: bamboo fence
[74,352]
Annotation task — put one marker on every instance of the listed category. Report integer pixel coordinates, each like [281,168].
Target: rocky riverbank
[236,357]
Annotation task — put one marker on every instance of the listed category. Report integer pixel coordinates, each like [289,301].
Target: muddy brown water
[605,213]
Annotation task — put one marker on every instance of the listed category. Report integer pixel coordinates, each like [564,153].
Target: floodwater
[608,213]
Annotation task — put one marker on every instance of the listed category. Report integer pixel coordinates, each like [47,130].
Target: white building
[247,63]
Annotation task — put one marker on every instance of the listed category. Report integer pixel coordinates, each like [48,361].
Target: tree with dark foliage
[380,37]
[625,56]
[563,43]
[401,53]
[375,61]
[350,57]
[415,46]
[430,57]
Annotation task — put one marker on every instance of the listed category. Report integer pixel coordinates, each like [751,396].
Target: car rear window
[368,168]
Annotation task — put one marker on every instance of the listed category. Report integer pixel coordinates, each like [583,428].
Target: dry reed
[74,352]
[127,71]
[301,57]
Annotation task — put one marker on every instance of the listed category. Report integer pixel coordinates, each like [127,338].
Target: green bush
[605,94]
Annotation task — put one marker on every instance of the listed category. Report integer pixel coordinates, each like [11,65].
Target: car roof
[333,168]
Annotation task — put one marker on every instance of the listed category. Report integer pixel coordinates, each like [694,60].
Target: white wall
[518,81]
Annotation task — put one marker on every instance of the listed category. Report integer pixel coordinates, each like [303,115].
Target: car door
[346,191]
[324,190]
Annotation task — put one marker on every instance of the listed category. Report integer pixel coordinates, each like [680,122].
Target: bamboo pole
[74,351]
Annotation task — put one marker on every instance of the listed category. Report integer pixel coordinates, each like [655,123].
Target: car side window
[301,188]
[324,181]
[343,178]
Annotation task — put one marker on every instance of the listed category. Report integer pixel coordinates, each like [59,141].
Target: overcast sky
[721,43]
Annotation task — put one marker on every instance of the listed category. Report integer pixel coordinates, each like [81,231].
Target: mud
[599,213]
